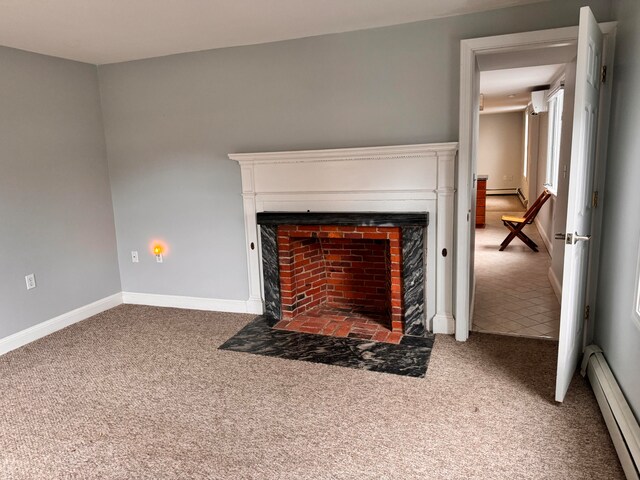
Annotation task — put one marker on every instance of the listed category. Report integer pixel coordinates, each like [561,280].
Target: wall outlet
[134,256]
[31,281]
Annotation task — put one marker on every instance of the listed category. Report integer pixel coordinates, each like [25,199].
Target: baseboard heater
[622,424]
[522,198]
[502,191]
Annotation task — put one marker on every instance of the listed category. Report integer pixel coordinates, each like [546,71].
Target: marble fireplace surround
[412,274]
[391,179]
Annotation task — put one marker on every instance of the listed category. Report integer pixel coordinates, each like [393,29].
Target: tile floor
[513,293]
[337,322]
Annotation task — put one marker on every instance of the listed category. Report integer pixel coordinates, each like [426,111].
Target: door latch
[572,238]
[579,238]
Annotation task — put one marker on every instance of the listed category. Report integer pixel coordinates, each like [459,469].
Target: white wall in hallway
[500,149]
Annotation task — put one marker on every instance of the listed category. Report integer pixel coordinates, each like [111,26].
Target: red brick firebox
[344,274]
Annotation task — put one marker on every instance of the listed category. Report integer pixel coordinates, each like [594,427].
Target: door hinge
[594,201]
[587,311]
[603,75]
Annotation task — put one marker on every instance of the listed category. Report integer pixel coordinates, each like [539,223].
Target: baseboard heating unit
[622,424]
[523,199]
[502,191]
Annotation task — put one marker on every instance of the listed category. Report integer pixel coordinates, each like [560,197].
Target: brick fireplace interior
[341,280]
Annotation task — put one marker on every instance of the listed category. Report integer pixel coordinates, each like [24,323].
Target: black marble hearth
[409,358]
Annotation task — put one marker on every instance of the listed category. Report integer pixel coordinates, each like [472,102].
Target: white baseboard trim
[47,327]
[555,284]
[545,237]
[193,303]
[443,323]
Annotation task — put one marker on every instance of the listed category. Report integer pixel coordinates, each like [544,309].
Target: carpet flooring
[145,393]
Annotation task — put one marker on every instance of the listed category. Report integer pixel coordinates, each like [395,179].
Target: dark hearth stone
[409,358]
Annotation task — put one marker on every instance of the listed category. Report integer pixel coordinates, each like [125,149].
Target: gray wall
[501,150]
[616,331]
[171,121]
[56,216]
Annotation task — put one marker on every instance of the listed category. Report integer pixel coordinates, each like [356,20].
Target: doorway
[518,286]
[585,172]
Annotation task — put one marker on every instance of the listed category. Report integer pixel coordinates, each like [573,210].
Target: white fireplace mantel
[404,178]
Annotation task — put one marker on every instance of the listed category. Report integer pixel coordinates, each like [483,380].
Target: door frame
[469,116]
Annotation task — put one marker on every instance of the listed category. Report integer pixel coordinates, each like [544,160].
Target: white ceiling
[498,85]
[108,31]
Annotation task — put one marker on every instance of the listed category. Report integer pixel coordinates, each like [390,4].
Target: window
[526,144]
[553,142]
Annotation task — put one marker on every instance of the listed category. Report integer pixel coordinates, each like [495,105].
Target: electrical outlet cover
[31,281]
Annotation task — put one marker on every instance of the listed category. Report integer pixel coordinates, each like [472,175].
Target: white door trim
[469,50]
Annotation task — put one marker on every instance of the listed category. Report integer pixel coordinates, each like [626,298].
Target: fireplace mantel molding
[403,178]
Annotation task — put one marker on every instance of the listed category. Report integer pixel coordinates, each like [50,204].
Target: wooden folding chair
[516,224]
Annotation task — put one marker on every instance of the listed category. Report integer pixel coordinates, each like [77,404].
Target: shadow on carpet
[409,358]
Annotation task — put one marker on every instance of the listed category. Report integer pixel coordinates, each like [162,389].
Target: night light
[157,251]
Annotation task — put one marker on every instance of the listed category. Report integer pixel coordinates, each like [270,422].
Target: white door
[579,208]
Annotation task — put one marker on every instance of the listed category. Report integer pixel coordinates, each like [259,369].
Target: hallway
[513,294]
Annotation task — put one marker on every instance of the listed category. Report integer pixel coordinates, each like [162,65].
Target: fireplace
[345,274]
[388,179]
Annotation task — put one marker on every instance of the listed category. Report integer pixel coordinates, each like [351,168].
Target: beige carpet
[142,392]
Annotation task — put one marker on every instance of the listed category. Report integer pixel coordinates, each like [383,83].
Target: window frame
[554,139]
[525,168]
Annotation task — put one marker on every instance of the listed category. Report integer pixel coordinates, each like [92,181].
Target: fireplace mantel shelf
[369,219]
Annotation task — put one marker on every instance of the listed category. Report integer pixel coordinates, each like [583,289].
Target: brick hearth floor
[340,322]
